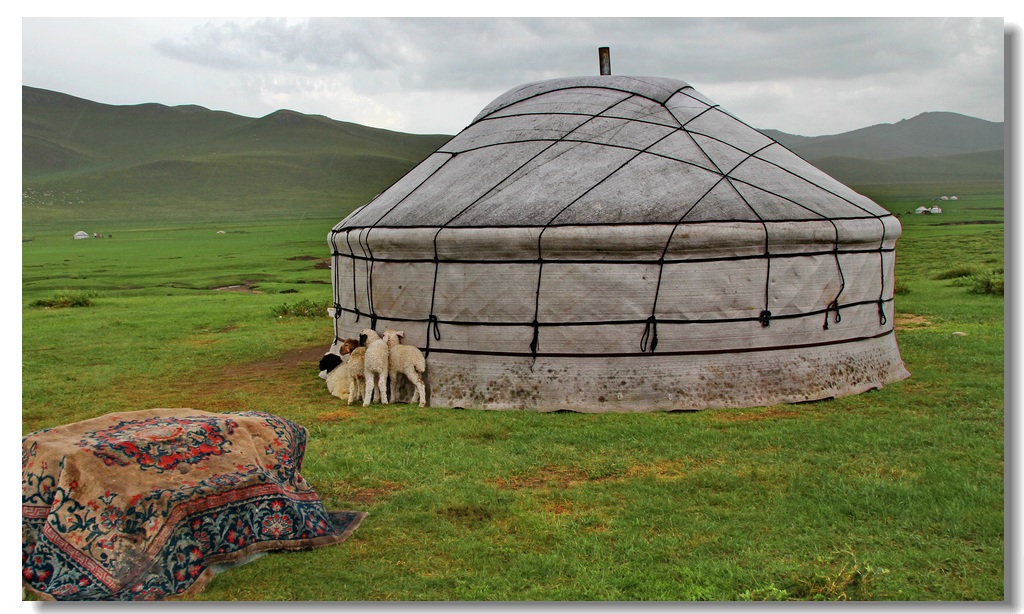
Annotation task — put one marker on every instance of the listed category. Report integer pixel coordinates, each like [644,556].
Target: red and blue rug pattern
[142,505]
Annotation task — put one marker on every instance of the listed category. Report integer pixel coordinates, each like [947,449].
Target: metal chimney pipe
[605,58]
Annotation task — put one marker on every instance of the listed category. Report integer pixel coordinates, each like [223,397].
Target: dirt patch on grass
[559,508]
[672,467]
[290,360]
[361,495]
[910,320]
[245,286]
[559,478]
[546,477]
[337,416]
[321,263]
[288,376]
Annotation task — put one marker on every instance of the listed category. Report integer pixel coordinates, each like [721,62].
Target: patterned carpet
[147,505]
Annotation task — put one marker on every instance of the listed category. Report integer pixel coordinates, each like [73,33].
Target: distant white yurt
[81,234]
[617,243]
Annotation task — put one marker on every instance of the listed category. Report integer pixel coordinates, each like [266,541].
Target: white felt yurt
[615,243]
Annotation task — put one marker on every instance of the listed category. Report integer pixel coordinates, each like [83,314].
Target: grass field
[896,494]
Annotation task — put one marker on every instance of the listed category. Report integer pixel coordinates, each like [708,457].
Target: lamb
[338,372]
[375,366]
[355,373]
[408,361]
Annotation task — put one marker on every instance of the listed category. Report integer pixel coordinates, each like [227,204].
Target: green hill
[983,167]
[936,134]
[88,162]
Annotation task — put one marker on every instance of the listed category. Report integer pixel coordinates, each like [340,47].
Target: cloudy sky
[807,76]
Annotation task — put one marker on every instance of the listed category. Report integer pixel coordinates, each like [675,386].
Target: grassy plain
[896,494]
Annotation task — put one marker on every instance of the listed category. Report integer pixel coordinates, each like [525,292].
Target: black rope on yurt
[766,315]
[834,304]
[704,352]
[650,333]
[882,319]
[336,287]
[364,244]
[842,282]
[621,322]
[818,217]
[612,261]
[373,320]
[437,261]
[355,294]
[595,86]
[535,343]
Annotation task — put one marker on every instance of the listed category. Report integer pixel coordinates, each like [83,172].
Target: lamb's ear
[400,334]
[362,339]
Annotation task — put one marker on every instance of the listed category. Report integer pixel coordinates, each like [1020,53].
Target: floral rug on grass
[149,504]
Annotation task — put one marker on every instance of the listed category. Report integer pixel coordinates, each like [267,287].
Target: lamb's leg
[415,378]
[422,391]
[382,384]
[368,393]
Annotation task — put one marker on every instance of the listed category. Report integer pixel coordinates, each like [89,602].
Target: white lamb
[339,367]
[354,372]
[344,381]
[407,360]
[375,366]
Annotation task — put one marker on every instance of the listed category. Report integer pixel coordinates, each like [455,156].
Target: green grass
[896,494]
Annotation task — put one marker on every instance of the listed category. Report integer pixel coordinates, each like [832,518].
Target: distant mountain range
[83,160]
[927,135]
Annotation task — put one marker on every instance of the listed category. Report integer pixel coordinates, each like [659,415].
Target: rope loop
[337,312]
[650,334]
[881,313]
[765,318]
[434,327]
[536,338]
[838,318]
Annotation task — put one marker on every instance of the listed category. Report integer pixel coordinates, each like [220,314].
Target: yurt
[615,243]
[81,234]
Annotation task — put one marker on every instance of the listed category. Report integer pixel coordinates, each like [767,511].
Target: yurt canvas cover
[617,243]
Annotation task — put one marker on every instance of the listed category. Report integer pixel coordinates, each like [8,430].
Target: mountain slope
[926,135]
[986,166]
[93,162]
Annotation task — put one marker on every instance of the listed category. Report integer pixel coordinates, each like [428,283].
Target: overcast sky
[433,75]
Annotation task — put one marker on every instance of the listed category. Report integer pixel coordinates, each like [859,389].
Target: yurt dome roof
[572,151]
